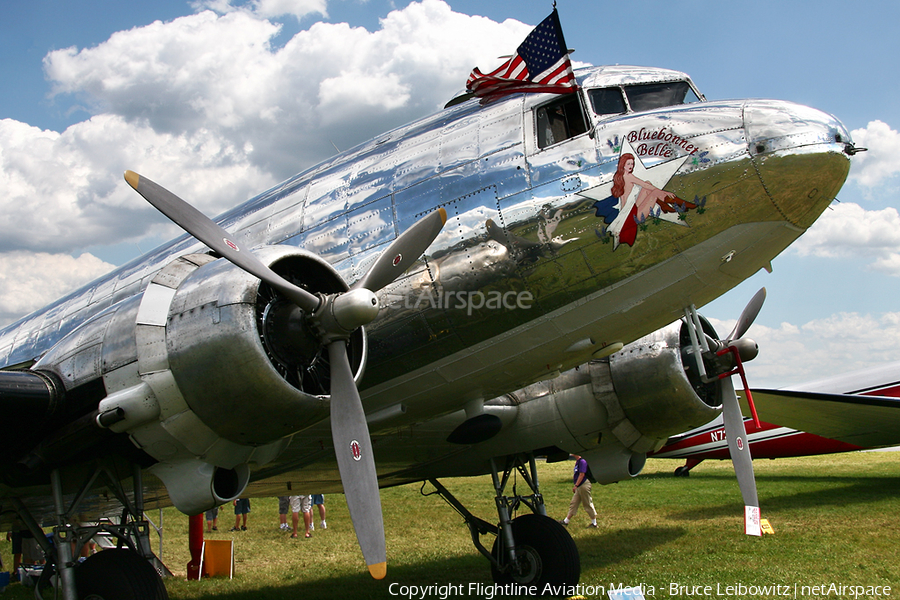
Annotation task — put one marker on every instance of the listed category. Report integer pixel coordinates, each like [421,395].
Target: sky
[220,99]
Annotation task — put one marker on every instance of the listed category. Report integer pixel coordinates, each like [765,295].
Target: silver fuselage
[526,280]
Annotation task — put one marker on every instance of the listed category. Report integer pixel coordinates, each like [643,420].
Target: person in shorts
[212,519]
[284,505]
[319,500]
[301,504]
[241,510]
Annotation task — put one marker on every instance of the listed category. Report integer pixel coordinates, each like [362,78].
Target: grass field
[835,519]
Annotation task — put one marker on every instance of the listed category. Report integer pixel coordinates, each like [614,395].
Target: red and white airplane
[855,411]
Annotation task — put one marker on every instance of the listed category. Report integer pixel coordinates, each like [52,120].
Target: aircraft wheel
[545,554]
[682,472]
[118,575]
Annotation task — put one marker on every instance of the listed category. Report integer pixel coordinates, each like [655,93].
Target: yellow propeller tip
[378,570]
[132,178]
[443,216]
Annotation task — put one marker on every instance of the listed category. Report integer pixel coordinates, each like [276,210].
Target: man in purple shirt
[581,492]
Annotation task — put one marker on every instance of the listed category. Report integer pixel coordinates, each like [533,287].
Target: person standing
[581,492]
[301,504]
[212,519]
[283,506]
[241,510]
[319,500]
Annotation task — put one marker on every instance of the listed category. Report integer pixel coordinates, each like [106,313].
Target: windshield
[609,101]
[658,95]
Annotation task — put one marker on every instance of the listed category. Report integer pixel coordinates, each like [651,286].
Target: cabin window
[658,95]
[559,120]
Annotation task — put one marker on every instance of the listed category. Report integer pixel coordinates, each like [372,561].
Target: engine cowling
[611,411]
[651,389]
[268,374]
[208,370]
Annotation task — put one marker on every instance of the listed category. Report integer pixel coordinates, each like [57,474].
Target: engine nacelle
[611,411]
[208,370]
[651,389]
[267,375]
[612,462]
[195,486]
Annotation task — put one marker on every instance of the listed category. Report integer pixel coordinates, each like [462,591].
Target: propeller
[721,359]
[748,315]
[743,349]
[204,229]
[334,317]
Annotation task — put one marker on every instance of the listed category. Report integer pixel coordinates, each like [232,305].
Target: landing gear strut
[529,550]
[123,573]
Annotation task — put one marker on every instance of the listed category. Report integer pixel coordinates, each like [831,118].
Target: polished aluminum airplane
[469,287]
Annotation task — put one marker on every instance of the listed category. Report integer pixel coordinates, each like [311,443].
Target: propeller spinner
[334,317]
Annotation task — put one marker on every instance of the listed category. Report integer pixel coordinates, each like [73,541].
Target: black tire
[682,472]
[118,575]
[545,552]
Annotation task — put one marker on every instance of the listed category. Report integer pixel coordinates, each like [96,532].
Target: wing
[866,421]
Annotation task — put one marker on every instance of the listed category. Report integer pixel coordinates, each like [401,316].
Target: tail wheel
[118,575]
[545,554]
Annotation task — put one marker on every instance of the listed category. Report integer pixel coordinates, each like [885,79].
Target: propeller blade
[739,448]
[747,316]
[403,252]
[204,229]
[353,449]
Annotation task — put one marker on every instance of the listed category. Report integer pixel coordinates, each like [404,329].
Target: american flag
[541,64]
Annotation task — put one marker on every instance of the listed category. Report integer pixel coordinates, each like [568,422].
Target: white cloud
[176,76]
[888,264]
[29,280]
[297,8]
[850,230]
[882,160]
[840,343]
[267,8]
[63,192]
[221,73]
[207,106]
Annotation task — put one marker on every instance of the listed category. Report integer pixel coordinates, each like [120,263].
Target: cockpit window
[559,120]
[609,101]
[658,95]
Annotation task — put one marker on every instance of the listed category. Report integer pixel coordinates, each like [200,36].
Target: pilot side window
[559,120]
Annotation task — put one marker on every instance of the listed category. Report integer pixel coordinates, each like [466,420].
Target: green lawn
[835,520]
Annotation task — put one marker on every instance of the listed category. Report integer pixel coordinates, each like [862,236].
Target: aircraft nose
[801,154]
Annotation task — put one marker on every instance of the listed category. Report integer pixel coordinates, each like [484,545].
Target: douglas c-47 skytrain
[454,297]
